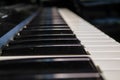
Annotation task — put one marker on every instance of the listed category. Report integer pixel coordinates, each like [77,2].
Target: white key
[107,63]
[104,51]
[105,54]
[112,74]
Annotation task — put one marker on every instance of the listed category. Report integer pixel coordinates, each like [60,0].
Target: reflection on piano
[50,42]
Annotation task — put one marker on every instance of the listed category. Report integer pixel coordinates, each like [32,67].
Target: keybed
[58,36]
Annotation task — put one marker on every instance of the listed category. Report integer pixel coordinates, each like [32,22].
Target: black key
[48,31]
[67,49]
[45,41]
[51,24]
[47,20]
[81,68]
[47,24]
[45,36]
[46,27]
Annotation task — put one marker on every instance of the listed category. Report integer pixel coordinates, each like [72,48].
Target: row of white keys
[104,51]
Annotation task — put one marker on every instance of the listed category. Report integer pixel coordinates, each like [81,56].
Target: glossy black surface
[47,27]
[58,31]
[45,40]
[61,49]
[48,69]
[45,36]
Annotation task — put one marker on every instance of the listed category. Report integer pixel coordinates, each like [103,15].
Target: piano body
[58,40]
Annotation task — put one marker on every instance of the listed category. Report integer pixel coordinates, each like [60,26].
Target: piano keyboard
[49,29]
[59,45]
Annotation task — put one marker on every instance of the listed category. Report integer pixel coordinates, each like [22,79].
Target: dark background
[104,14]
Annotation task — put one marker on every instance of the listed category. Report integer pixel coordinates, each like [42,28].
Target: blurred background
[104,14]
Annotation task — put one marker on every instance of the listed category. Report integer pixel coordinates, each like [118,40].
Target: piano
[46,42]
